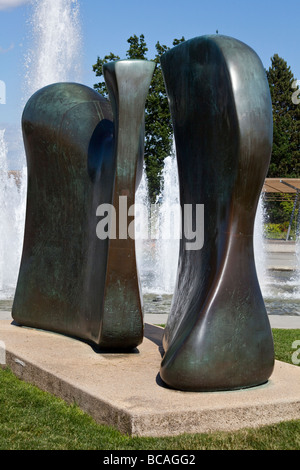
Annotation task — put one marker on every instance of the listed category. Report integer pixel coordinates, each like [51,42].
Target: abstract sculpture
[218,335]
[70,280]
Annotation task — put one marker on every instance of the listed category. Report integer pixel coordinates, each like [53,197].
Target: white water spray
[169,219]
[55,56]
[12,203]
[157,255]
[259,245]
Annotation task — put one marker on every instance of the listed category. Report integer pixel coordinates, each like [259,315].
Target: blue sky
[268,26]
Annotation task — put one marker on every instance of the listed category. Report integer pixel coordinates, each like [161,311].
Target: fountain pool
[53,58]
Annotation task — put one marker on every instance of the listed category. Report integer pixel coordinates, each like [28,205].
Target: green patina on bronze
[82,153]
[218,335]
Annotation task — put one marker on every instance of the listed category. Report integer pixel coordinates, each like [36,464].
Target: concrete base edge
[125,390]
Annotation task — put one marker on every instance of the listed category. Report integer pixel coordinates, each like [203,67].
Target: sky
[268,26]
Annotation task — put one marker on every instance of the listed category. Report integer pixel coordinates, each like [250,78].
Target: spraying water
[169,219]
[280,286]
[12,203]
[54,56]
[157,253]
[259,245]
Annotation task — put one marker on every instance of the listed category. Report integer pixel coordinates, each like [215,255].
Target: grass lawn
[33,419]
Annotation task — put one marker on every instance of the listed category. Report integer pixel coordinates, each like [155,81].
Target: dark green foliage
[285,161]
[98,69]
[138,47]
[158,124]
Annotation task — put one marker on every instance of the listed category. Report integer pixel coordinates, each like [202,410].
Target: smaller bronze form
[218,335]
[82,154]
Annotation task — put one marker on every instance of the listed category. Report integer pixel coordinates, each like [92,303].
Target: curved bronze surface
[218,335]
[70,280]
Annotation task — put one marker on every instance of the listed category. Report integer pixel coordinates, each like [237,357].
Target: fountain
[158,253]
[55,54]
[157,262]
[280,288]
[54,57]
[12,203]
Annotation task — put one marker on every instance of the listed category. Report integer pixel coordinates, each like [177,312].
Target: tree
[285,159]
[98,69]
[158,123]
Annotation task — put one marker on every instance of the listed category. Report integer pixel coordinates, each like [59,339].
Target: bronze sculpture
[70,280]
[218,335]
[80,158]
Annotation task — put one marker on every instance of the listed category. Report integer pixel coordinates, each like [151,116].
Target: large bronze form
[218,335]
[82,153]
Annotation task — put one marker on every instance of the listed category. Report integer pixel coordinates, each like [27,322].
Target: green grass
[283,344]
[33,419]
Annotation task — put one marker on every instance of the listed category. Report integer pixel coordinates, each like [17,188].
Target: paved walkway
[281,255]
[5,315]
[276,321]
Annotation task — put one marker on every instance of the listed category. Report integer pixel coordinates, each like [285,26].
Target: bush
[275,231]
